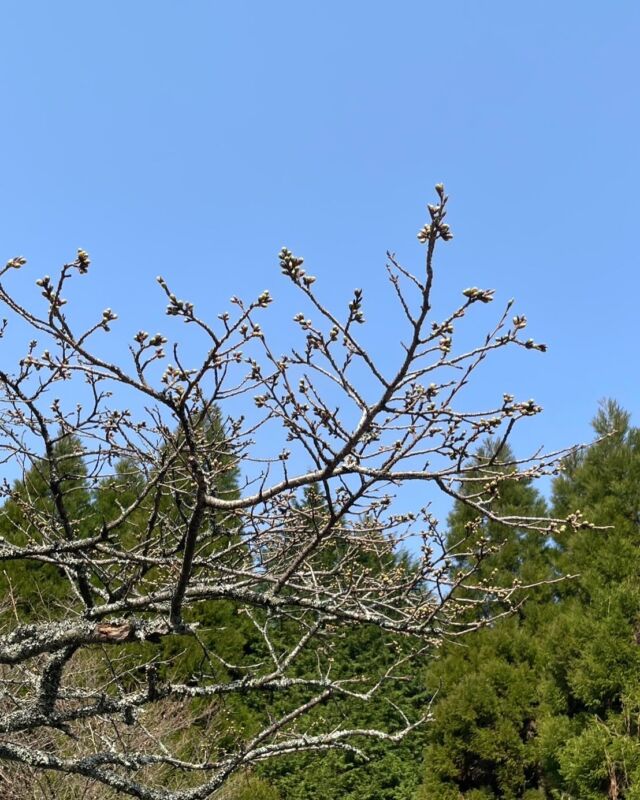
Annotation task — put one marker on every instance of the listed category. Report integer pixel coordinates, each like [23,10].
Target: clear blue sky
[194,139]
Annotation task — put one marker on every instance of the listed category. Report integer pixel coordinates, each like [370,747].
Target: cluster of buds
[176,307]
[424,233]
[142,338]
[528,408]
[115,419]
[445,345]
[441,229]
[49,293]
[472,526]
[519,322]
[256,372]
[30,361]
[299,410]
[492,488]
[16,263]
[291,267]
[577,520]
[431,391]
[445,232]
[305,324]
[414,394]
[437,228]
[483,295]
[179,308]
[445,327]
[108,316]
[355,307]
[82,261]
[489,425]
[252,330]
[46,360]
[313,342]
[531,345]
[45,285]
[264,299]
[173,374]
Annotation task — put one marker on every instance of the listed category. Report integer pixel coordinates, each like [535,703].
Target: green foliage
[542,705]
[35,589]
[520,553]
[484,717]
[545,704]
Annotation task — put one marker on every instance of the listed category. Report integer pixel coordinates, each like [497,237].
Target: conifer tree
[32,588]
[545,704]
[592,742]
[480,742]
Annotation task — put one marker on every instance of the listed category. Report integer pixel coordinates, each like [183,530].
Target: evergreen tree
[33,588]
[546,704]
[481,741]
[593,647]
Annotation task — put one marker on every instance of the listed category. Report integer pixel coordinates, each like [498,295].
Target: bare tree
[305,546]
